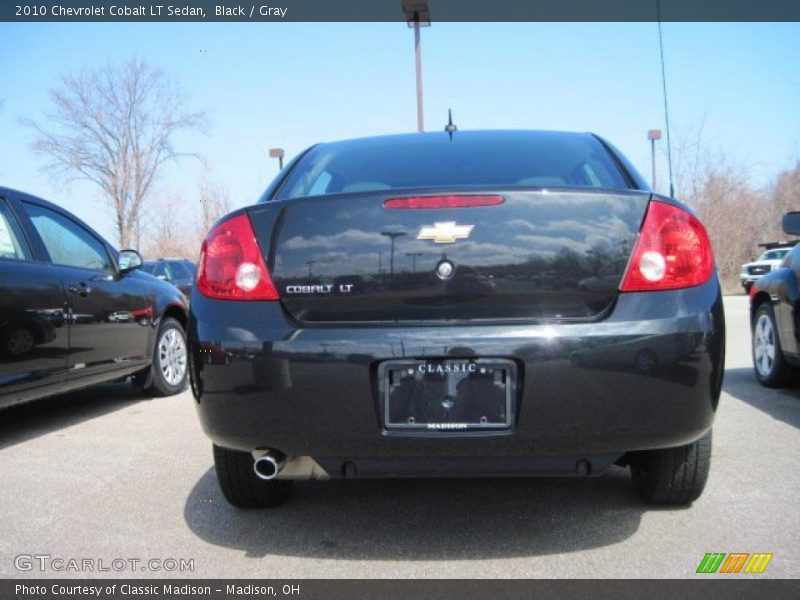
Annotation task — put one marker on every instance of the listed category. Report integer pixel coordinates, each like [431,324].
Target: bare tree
[214,203]
[172,229]
[168,234]
[737,215]
[115,126]
[785,196]
[734,213]
[692,160]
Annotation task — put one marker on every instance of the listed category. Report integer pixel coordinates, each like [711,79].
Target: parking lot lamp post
[653,135]
[413,256]
[417,16]
[310,263]
[277,153]
[392,235]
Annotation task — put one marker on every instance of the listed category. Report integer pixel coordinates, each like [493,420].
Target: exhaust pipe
[268,465]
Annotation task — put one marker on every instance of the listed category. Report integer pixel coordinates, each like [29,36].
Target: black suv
[75,312]
[177,271]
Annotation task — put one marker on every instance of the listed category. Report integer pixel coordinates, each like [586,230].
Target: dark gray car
[177,271]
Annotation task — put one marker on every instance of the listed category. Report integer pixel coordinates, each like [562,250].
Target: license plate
[448,395]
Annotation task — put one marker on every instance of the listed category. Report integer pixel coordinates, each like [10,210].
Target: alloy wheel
[172,356]
[764,345]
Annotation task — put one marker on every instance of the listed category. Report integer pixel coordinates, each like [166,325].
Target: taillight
[448,201]
[673,251]
[231,266]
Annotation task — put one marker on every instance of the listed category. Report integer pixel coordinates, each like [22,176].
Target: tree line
[738,215]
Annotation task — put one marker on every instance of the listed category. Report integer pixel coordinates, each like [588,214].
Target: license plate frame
[423,387]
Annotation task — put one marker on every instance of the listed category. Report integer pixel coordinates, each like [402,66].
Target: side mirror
[791,223]
[129,260]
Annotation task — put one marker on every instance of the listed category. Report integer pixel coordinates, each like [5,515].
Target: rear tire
[17,342]
[242,487]
[672,476]
[770,367]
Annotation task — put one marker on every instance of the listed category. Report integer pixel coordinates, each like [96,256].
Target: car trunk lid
[538,254]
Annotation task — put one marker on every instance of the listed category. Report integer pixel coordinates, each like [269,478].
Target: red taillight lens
[673,251]
[449,201]
[231,266]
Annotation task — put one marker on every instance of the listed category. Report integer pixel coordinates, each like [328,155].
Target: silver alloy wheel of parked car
[764,345]
[172,356]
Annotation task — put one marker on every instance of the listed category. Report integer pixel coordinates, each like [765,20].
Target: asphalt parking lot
[104,474]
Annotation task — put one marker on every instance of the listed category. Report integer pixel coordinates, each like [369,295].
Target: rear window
[503,159]
[183,270]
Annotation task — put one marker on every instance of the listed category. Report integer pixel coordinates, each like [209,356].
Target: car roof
[31,198]
[153,261]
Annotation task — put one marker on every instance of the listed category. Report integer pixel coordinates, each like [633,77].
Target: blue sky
[294,84]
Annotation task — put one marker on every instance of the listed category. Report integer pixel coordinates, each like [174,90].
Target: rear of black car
[486,303]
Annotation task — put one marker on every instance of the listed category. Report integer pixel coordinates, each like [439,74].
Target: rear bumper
[648,376]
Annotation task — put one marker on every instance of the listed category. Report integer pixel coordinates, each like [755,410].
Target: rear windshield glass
[183,270]
[504,159]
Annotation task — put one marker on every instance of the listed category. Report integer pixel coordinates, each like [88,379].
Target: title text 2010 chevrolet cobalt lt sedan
[476,304]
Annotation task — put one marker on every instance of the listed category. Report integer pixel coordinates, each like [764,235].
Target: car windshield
[774,254]
[503,159]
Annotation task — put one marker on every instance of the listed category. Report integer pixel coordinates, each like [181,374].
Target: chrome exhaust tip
[268,465]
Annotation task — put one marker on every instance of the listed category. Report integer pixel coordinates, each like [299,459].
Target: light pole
[277,153]
[413,256]
[417,15]
[310,264]
[653,135]
[392,235]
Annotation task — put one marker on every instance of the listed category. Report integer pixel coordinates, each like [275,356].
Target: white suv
[768,261]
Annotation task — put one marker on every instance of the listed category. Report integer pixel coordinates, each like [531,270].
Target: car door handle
[81,289]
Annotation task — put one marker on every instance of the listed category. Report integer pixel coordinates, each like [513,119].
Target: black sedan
[177,271]
[75,312]
[775,317]
[417,305]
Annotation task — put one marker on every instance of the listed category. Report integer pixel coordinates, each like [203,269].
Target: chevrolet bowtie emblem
[445,233]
